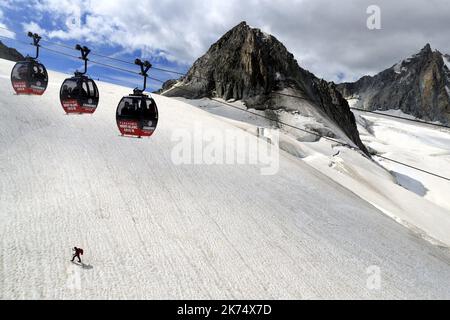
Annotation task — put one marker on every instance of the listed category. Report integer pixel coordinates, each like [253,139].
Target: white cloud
[33,27]
[327,37]
[6,33]
[3,28]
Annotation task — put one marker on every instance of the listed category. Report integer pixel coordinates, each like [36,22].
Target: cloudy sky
[330,38]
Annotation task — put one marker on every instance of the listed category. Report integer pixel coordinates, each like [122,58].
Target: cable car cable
[202,78]
[230,105]
[268,118]
[413,167]
[99,55]
[250,112]
[402,118]
[92,61]
[318,135]
[16,40]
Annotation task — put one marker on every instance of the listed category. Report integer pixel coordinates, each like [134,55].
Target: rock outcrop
[419,86]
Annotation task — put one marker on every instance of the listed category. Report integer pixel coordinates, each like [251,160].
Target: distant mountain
[10,53]
[249,65]
[419,85]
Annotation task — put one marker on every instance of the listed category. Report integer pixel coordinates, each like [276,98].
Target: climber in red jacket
[78,252]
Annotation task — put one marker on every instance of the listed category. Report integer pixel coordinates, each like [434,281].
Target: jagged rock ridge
[418,86]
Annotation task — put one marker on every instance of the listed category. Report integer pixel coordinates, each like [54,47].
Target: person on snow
[78,252]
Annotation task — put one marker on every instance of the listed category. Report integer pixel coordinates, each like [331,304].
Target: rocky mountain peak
[426,50]
[418,85]
[427,55]
[241,27]
[250,65]
[244,62]
[243,31]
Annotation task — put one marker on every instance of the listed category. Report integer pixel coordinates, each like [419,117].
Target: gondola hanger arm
[84,56]
[145,67]
[36,39]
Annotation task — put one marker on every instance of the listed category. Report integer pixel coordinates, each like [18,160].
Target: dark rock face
[419,85]
[249,65]
[166,86]
[10,53]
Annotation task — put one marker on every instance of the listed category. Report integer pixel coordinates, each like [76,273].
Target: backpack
[81,251]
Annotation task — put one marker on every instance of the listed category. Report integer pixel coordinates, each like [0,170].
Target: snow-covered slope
[414,199]
[420,145]
[151,229]
[447,61]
